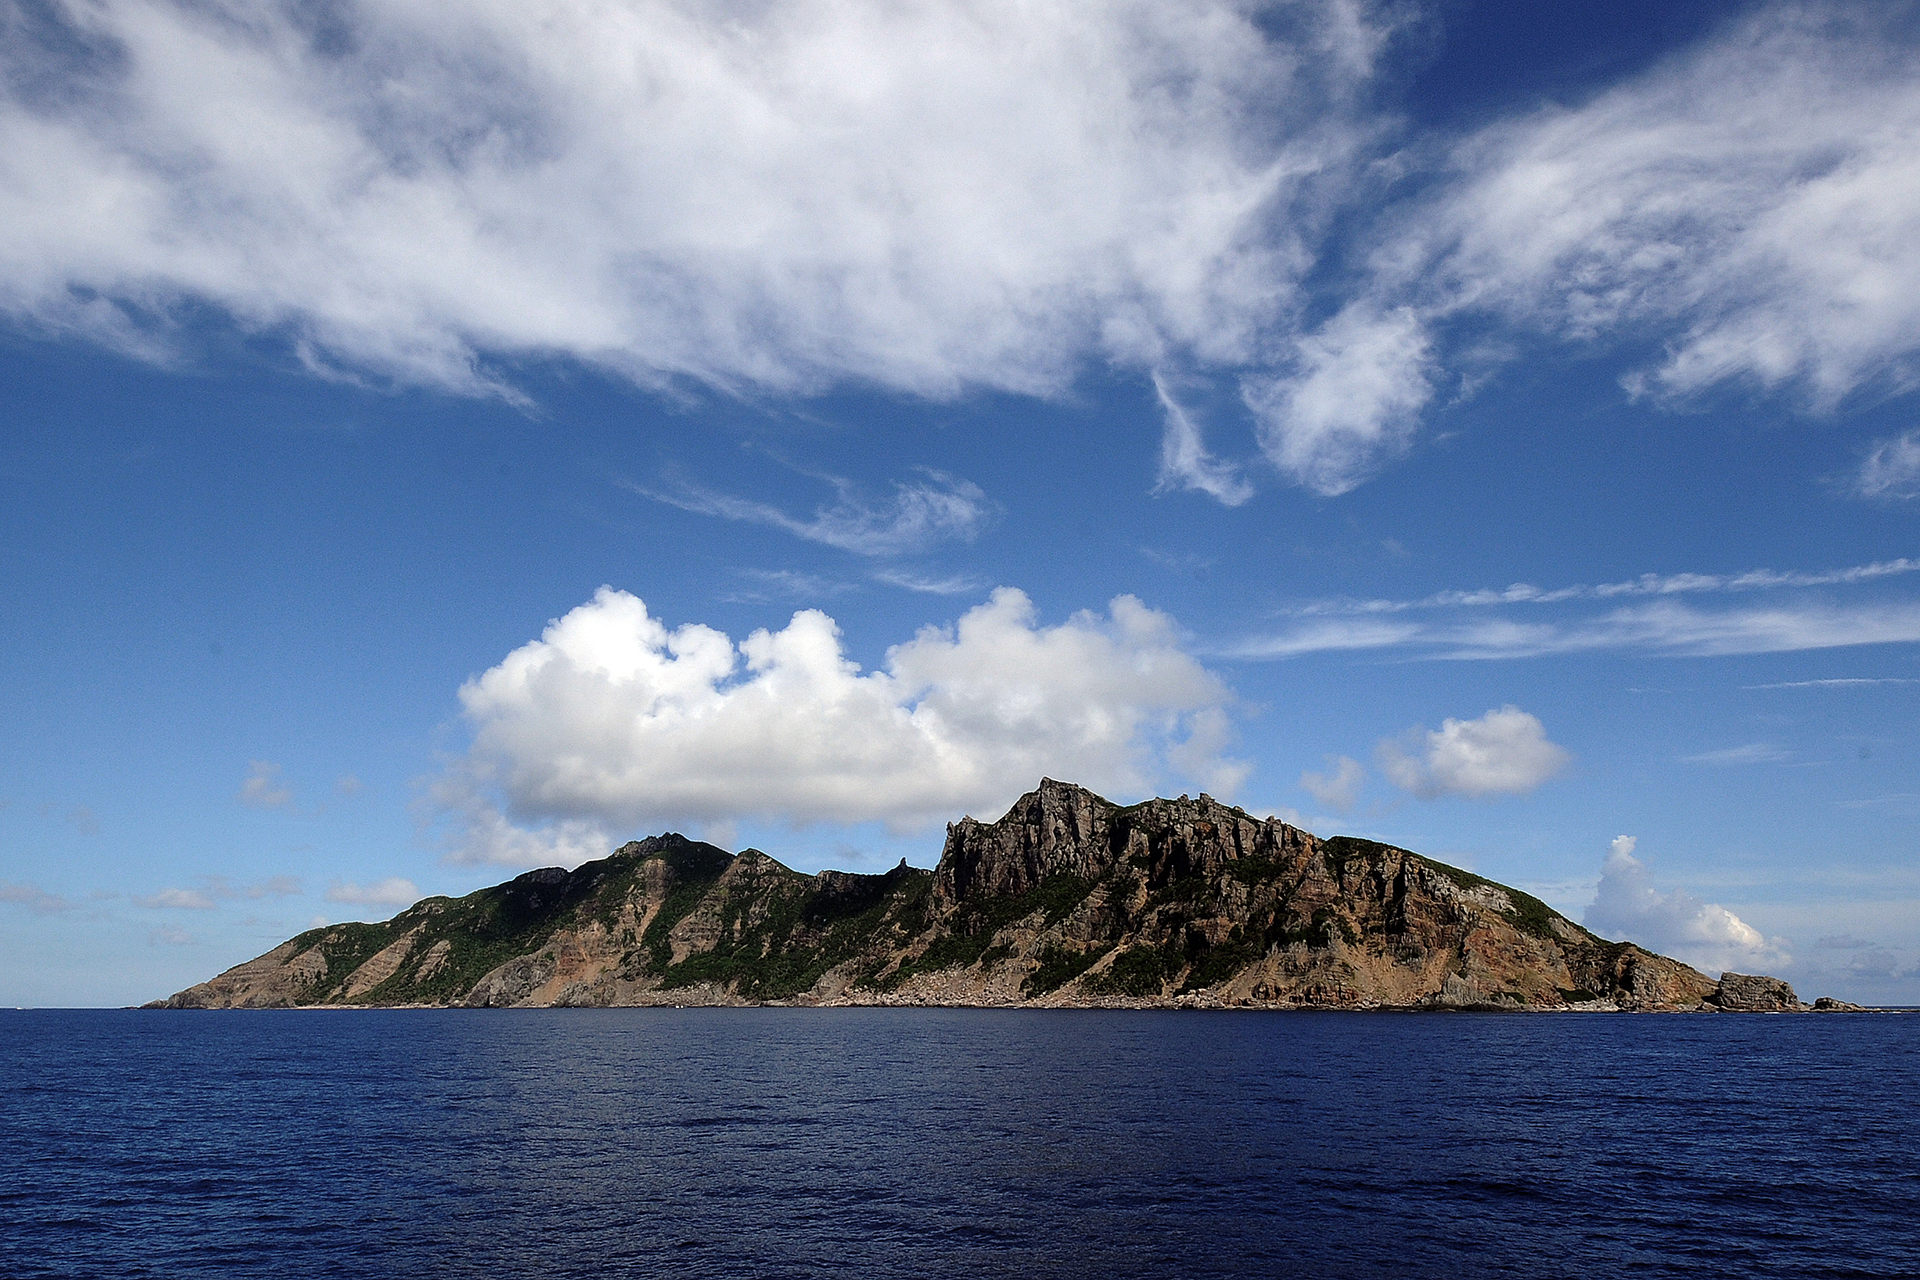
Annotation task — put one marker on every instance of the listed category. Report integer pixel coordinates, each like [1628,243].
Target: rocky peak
[1055,828]
[1062,829]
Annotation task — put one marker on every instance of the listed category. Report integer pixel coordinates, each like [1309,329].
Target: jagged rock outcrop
[1068,900]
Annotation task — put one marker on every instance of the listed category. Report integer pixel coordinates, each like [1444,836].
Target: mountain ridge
[1068,900]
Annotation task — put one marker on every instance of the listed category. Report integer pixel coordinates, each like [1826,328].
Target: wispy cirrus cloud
[1186,463]
[1671,629]
[1835,682]
[1746,753]
[1647,584]
[918,513]
[1891,468]
[1449,625]
[1754,204]
[953,584]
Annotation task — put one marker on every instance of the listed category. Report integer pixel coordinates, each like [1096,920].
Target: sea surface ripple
[800,1143]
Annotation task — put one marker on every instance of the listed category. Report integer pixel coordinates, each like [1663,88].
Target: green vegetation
[694,877]
[1317,932]
[1529,914]
[1139,971]
[1218,963]
[803,935]
[1059,966]
[972,928]
[346,947]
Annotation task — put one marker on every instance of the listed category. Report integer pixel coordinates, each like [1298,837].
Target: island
[1068,901]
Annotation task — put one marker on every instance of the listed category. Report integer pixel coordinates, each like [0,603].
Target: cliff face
[1067,900]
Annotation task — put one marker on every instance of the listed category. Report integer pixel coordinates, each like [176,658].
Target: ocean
[906,1142]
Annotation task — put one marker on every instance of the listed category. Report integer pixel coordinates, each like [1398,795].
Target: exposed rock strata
[1068,900]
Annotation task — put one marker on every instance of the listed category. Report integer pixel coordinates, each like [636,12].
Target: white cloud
[177,900]
[1353,401]
[1504,752]
[1891,468]
[263,788]
[1838,682]
[394,891]
[1185,462]
[926,197]
[919,514]
[1751,207]
[1666,625]
[1647,584]
[954,196]
[1760,195]
[610,722]
[1709,937]
[1339,787]
[348,785]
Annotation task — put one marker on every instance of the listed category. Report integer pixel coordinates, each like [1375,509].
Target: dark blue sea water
[953,1142]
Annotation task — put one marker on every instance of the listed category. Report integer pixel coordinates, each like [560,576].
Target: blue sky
[437,446]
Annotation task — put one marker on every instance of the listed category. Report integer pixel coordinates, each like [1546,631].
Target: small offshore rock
[1754,993]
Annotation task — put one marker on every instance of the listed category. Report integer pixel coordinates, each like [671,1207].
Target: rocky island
[1067,901]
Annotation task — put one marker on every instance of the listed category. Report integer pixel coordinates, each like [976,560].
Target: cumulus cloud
[1891,468]
[918,515]
[394,891]
[1504,752]
[263,788]
[925,197]
[611,721]
[1709,937]
[1339,787]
